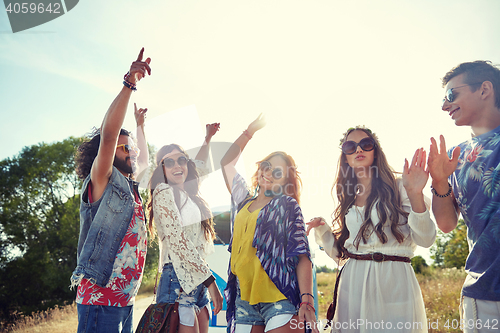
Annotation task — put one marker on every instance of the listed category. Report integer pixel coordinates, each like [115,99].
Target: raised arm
[445,208]
[111,126]
[203,153]
[415,177]
[228,162]
[143,158]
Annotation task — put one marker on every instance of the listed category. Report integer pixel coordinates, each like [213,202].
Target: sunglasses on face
[169,163]
[277,173]
[450,97]
[128,148]
[350,147]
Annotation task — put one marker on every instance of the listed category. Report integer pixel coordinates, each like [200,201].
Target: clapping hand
[415,175]
[440,165]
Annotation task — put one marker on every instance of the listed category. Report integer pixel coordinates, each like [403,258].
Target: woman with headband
[378,224]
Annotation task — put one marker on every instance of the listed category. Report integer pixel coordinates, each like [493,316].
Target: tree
[457,248]
[39,227]
[418,263]
[451,250]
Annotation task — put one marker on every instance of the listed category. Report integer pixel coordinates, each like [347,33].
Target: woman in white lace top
[185,230]
[377,226]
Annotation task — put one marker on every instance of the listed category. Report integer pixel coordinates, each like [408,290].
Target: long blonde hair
[293,184]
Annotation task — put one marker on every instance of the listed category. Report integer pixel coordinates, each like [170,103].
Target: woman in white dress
[185,232]
[377,226]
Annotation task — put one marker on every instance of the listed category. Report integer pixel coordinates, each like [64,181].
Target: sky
[314,68]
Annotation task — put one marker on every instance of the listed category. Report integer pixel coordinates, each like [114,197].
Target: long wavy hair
[384,196]
[191,187]
[87,152]
[293,184]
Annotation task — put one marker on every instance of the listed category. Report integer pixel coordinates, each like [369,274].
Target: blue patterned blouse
[279,238]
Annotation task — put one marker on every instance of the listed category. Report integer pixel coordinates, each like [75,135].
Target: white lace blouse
[181,237]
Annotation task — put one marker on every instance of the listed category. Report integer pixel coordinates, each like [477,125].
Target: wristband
[306,294]
[433,190]
[247,134]
[309,304]
[129,85]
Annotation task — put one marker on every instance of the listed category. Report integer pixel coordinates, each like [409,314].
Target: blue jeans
[260,313]
[104,319]
[169,291]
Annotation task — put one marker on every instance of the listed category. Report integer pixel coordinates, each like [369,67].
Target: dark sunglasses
[450,97]
[277,173]
[350,147]
[169,163]
[128,148]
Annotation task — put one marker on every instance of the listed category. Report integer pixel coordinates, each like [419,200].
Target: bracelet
[307,303]
[129,85]
[247,134]
[306,294]
[433,190]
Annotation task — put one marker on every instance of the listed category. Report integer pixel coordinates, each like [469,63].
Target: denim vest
[103,225]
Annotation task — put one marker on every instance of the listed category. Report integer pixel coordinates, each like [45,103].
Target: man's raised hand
[139,68]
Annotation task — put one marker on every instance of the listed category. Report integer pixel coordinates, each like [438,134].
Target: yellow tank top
[255,284]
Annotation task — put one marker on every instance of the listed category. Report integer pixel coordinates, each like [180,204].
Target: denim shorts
[104,319]
[260,313]
[169,291]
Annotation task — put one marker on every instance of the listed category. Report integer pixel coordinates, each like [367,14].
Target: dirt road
[139,307]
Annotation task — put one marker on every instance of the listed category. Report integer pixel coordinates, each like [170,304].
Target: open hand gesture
[212,129]
[315,222]
[139,68]
[415,175]
[257,124]
[440,165]
[140,115]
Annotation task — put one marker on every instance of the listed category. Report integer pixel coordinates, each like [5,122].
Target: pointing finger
[139,58]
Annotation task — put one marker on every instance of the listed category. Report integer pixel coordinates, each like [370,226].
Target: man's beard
[123,166]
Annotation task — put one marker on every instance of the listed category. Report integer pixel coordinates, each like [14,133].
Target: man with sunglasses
[112,242]
[469,184]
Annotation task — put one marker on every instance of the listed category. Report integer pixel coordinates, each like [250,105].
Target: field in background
[440,289]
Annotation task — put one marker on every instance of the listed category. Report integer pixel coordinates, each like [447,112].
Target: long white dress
[380,296]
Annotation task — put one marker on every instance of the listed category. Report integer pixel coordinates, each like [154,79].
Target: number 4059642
[24,8]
